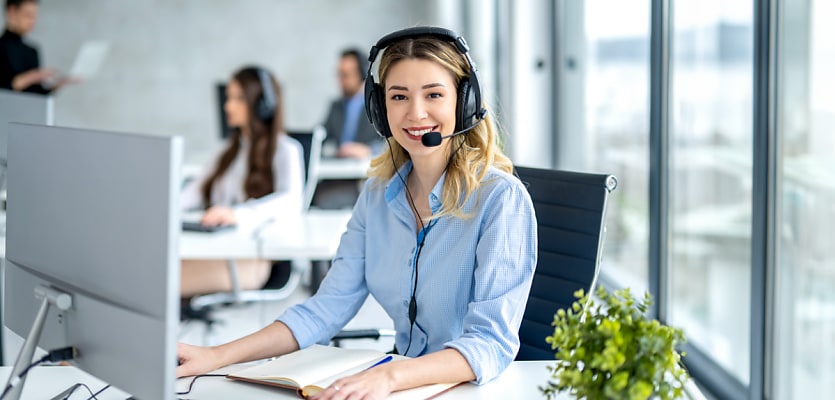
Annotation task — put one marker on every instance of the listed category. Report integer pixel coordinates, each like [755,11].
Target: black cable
[196,377]
[77,385]
[62,354]
[413,299]
[93,395]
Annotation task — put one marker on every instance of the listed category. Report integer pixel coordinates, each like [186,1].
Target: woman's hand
[374,383]
[218,215]
[195,360]
[354,150]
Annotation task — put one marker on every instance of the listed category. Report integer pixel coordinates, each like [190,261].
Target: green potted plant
[614,351]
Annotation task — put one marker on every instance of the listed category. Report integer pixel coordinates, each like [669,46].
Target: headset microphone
[433,139]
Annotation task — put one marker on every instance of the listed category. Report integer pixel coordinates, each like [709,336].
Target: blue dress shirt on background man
[353,110]
[474,278]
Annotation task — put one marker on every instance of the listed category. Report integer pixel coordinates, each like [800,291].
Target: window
[615,129]
[805,282]
[711,177]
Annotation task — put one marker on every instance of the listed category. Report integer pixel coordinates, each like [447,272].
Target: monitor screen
[95,215]
[220,89]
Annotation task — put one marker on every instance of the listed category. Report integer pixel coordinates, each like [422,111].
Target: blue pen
[381,362]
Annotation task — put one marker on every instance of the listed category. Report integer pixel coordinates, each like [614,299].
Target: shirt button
[422,340]
[405,303]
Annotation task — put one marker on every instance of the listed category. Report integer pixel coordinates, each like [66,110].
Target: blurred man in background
[350,135]
[20,68]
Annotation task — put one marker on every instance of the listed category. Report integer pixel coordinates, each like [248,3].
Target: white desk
[313,236]
[519,381]
[343,168]
[329,167]
[46,382]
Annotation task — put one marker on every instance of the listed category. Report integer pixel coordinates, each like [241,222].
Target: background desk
[329,168]
[519,381]
[343,168]
[314,236]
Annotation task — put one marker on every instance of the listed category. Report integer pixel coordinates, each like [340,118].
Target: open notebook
[311,370]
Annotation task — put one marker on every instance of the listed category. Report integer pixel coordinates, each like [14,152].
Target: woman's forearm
[445,366]
[273,340]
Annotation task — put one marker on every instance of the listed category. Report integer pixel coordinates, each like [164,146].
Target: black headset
[468,111]
[265,107]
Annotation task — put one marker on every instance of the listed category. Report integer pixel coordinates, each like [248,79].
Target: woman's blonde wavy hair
[477,150]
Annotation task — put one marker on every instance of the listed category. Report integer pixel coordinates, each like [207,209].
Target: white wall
[527,99]
[166,56]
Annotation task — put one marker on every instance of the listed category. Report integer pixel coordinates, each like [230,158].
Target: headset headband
[420,31]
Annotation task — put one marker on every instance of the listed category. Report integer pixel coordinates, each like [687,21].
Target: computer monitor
[20,107]
[220,90]
[96,215]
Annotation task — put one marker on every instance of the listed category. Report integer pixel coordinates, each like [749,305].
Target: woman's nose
[417,110]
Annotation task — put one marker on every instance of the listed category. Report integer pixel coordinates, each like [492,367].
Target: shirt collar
[395,186]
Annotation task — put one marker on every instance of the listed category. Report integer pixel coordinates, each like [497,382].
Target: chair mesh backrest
[311,142]
[570,212]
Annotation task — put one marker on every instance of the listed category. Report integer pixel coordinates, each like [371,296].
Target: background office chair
[284,276]
[570,214]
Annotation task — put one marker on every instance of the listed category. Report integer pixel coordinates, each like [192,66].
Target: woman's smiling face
[421,97]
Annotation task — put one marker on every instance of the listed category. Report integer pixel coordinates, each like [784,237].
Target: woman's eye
[435,95]
[398,97]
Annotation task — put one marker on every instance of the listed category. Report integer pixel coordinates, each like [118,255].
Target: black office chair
[570,213]
[570,218]
[311,142]
[284,276]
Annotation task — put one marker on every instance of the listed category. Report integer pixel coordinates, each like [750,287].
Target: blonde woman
[443,235]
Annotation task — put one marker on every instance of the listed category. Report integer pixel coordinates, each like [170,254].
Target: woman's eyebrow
[426,86]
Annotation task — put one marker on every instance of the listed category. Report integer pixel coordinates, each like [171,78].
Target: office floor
[239,320]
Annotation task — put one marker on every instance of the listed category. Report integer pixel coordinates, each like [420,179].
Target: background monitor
[20,107]
[96,215]
[220,90]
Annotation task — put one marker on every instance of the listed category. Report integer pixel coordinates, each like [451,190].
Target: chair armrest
[352,334]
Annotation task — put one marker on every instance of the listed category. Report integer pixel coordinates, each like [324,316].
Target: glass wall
[805,284]
[711,178]
[602,125]
[616,121]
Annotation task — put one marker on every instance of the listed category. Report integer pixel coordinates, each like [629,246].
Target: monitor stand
[50,296]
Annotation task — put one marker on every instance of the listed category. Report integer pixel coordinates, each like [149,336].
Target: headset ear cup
[375,107]
[465,109]
[267,102]
[263,110]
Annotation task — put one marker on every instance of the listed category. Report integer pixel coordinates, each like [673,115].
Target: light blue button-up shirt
[473,282]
